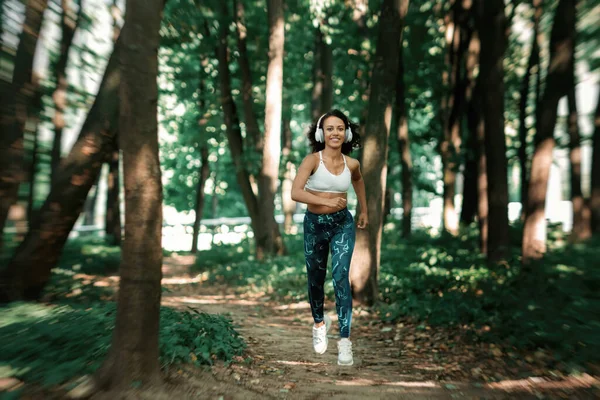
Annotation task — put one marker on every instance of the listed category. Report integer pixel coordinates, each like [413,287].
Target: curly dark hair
[346,147]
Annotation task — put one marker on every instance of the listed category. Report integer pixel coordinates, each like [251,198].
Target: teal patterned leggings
[322,231]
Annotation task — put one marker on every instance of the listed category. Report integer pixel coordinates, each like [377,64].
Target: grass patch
[53,344]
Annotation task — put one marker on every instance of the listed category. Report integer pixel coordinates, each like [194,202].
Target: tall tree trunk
[476,127]
[29,270]
[558,83]
[233,131]
[322,91]
[453,108]
[243,60]
[492,34]
[470,199]
[288,205]
[581,213]
[365,261]
[134,352]
[404,146]
[595,183]
[68,25]
[534,60]
[271,242]
[16,100]
[112,218]
[200,197]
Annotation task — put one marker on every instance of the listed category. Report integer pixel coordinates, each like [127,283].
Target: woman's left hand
[363,220]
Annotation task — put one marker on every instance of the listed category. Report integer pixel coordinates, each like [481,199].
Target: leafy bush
[52,344]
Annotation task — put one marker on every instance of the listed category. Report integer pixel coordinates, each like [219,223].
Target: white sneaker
[320,336]
[345,352]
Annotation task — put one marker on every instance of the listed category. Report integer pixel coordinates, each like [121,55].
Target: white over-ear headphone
[320,137]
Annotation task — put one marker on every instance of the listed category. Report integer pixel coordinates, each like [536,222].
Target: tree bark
[270,241]
[558,83]
[252,129]
[233,131]
[595,183]
[457,37]
[365,261]
[112,218]
[492,35]
[404,146]
[322,91]
[29,269]
[534,60]
[200,197]
[134,352]
[14,109]
[582,228]
[68,25]
[470,201]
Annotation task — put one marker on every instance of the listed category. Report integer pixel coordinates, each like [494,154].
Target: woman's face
[335,131]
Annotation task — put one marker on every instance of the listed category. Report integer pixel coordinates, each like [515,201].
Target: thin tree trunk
[322,92]
[200,197]
[534,59]
[595,183]
[68,25]
[233,131]
[476,127]
[457,38]
[14,109]
[557,85]
[492,35]
[134,352]
[112,217]
[581,213]
[404,146]
[288,205]
[37,109]
[470,201]
[271,242]
[252,128]
[112,221]
[365,261]
[29,270]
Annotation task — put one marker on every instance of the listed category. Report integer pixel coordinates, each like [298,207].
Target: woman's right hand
[337,203]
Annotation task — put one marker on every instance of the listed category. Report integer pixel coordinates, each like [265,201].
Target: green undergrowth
[445,281]
[554,304]
[51,344]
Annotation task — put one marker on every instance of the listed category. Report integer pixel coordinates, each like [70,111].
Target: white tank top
[324,181]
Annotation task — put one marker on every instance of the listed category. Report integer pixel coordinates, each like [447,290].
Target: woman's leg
[342,246]
[316,249]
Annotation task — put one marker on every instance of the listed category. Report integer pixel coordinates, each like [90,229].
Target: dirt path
[400,361]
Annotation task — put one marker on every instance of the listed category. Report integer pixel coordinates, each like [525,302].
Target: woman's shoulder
[352,162]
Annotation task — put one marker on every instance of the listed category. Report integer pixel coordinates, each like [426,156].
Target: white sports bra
[324,181]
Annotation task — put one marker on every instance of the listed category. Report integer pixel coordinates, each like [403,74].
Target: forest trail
[391,361]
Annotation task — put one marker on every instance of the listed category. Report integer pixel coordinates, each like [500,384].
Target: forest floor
[391,361]
[401,360]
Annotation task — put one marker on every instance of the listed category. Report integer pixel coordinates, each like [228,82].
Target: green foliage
[445,281]
[52,344]
[281,277]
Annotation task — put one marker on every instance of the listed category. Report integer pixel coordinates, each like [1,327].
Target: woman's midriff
[313,208]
